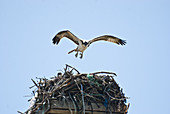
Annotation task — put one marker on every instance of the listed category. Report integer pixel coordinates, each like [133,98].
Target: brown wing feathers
[122,42]
[109,38]
[72,37]
[56,39]
[66,34]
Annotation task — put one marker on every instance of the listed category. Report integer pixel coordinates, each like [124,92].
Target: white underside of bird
[81,47]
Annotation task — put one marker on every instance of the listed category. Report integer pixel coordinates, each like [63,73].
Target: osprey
[83,45]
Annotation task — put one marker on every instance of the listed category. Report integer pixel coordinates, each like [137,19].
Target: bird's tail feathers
[71,51]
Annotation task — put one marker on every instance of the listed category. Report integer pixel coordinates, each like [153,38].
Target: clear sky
[143,65]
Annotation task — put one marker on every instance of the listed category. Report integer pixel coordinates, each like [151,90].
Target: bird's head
[84,42]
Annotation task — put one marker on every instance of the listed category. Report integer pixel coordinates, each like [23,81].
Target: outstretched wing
[109,38]
[66,34]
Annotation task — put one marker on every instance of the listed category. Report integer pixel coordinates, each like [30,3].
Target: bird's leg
[76,54]
[81,55]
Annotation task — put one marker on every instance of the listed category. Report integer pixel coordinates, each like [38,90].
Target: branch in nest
[104,73]
[72,68]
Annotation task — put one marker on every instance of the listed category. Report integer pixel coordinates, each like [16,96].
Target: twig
[72,68]
[83,99]
[75,109]
[104,73]
[34,83]
[116,98]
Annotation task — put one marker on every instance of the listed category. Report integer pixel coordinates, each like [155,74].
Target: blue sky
[28,26]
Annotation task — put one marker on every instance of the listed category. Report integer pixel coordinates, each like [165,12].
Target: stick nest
[79,91]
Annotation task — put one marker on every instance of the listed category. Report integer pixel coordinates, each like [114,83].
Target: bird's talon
[76,54]
[81,56]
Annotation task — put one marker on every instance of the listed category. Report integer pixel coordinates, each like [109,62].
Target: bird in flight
[82,44]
